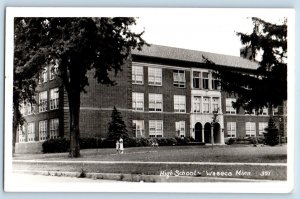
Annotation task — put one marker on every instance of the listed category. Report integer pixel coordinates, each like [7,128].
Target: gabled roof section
[166,52]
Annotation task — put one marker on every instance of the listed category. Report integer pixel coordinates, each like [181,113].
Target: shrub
[88,143]
[231,141]
[57,145]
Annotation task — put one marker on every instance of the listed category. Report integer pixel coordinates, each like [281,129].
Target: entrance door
[217,134]
[198,132]
[207,133]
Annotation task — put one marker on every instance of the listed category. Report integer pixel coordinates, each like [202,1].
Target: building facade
[161,92]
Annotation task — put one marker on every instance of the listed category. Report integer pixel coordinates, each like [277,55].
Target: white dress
[121,144]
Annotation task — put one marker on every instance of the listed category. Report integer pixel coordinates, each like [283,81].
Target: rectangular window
[137,75]
[250,112]
[23,109]
[31,132]
[197,104]
[155,128]
[179,103]
[43,101]
[180,128]
[214,82]
[196,79]
[22,133]
[261,127]
[53,71]
[215,104]
[138,128]
[275,111]
[179,78]
[155,102]
[43,128]
[250,129]
[43,76]
[231,129]
[54,128]
[155,76]
[138,101]
[263,111]
[205,80]
[206,104]
[29,108]
[229,107]
[54,98]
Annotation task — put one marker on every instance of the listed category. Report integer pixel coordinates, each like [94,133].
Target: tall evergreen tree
[117,127]
[75,45]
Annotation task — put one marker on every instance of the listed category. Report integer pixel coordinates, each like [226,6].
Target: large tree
[267,85]
[76,45]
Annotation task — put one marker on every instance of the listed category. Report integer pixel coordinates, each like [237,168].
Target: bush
[88,143]
[57,145]
[183,141]
[230,141]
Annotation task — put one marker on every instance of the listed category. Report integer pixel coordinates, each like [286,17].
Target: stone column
[203,134]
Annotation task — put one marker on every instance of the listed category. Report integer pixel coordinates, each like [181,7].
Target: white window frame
[54,98]
[231,129]
[31,132]
[197,77]
[197,104]
[261,127]
[155,102]
[180,128]
[156,75]
[179,78]
[54,128]
[206,103]
[275,111]
[214,82]
[53,71]
[137,101]
[21,131]
[43,78]
[43,98]
[264,111]
[154,128]
[250,129]
[138,127]
[215,105]
[229,108]
[205,81]
[138,75]
[43,129]
[179,103]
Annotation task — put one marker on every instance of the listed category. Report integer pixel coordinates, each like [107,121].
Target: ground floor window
[31,132]
[138,128]
[250,129]
[54,128]
[21,132]
[43,130]
[180,128]
[231,129]
[155,128]
[261,127]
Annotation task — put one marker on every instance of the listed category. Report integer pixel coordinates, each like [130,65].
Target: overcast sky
[211,32]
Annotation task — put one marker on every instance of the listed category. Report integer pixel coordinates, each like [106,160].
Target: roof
[166,52]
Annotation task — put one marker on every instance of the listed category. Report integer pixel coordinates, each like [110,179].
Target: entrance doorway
[198,132]
[217,134]
[207,133]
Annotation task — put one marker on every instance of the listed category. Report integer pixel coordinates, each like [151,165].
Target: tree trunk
[74,106]
[14,140]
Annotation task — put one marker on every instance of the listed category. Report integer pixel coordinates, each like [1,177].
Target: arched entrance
[207,133]
[217,134]
[198,132]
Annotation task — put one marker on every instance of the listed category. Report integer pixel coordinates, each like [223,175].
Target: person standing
[121,145]
[118,146]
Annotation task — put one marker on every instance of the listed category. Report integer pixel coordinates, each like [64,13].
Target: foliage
[271,137]
[75,46]
[57,145]
[117,127]
[267,85]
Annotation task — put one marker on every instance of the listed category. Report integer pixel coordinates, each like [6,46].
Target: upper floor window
[180,128]
[138,128]
[155,102]
[43,101]
[43,78]
[275,111]
[54,128]
[229,106]
[137,75]
[215,104]
[214,82]
[205,82]
[197,104]
[250,129]
[206,104]
[196,79]
[263,111]
[30,108]
[31,132]
[21,133]
[54,98]
[53,71]
[155,76]
[138,101]
[155,128]
[43,128]
[179,104]
[179,78]
[231,129]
